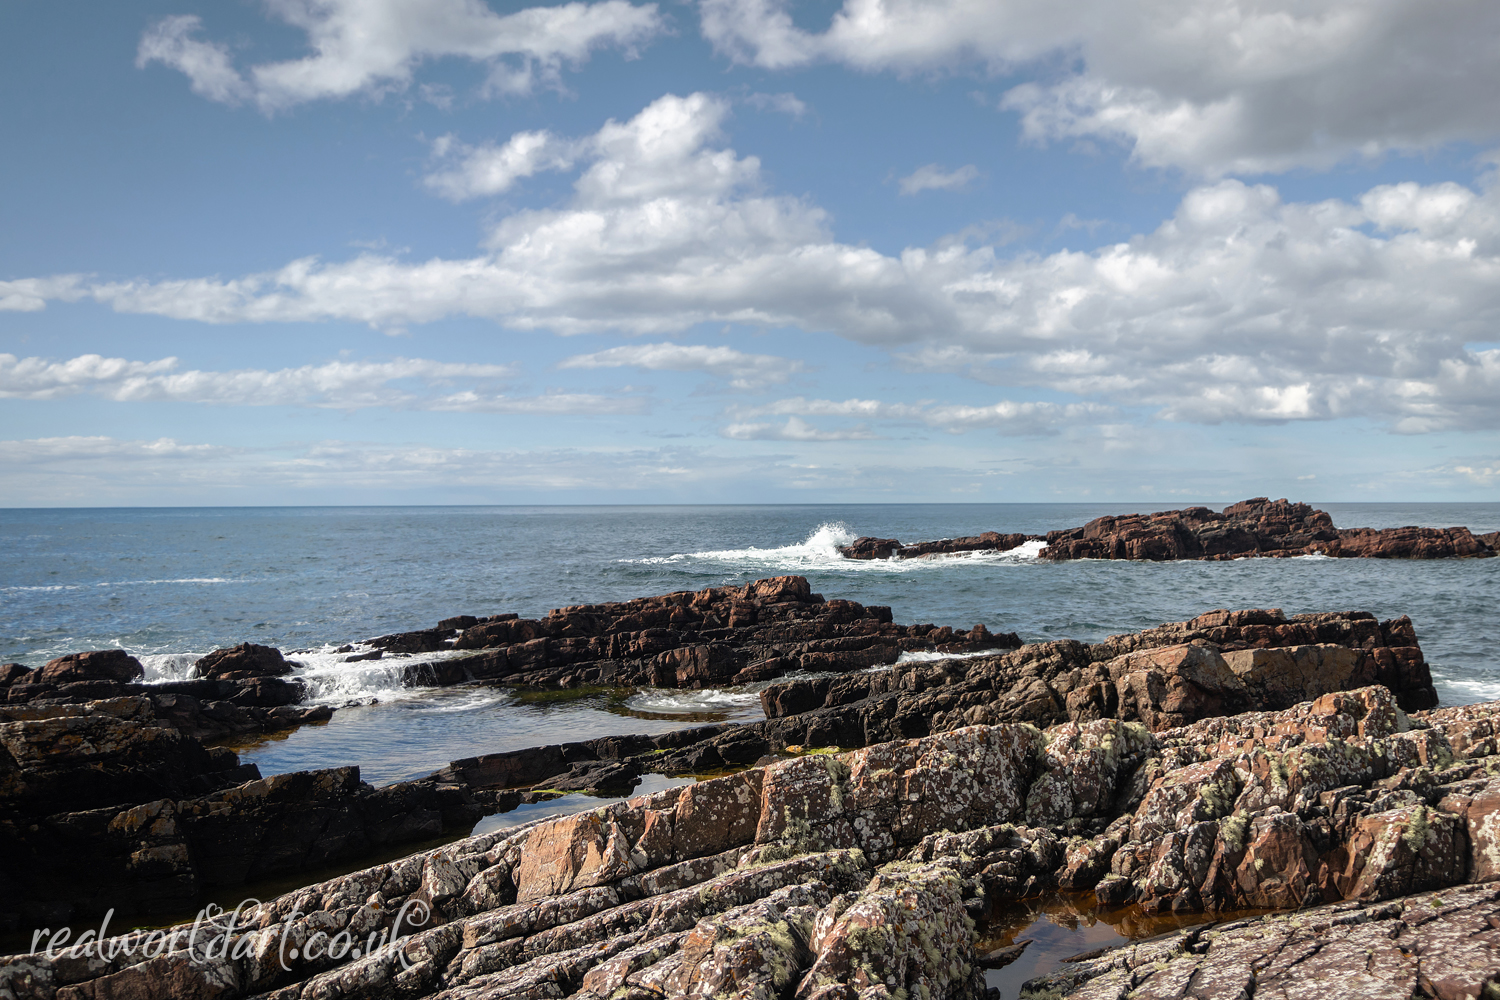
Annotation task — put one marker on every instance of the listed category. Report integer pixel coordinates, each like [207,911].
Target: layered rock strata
[862,874]
[1256,527]
[721,635]
[238,690]
[1222,661]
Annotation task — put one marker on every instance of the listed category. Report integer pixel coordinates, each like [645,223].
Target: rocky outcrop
[103,805]
[239,690]
[1222,661]
[722,635]
[861,874]
[1256,527]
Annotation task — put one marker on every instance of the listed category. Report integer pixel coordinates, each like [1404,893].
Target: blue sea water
[172,584]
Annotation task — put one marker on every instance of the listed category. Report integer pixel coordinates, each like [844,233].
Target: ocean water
[172,584]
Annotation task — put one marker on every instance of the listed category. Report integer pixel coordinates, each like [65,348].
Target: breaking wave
[820,551]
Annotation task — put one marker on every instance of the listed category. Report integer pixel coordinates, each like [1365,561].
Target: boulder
[242,662]
[100,665]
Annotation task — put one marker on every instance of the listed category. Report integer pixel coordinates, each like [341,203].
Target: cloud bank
[342,385]
[1238,86]
[1240,307]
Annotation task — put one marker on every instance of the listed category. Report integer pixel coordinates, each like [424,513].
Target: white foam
[669,701]
[820,551]
[927,656]
[728,700]
[121,583]
[330,680]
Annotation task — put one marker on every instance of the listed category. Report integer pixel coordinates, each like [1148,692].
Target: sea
[172,584]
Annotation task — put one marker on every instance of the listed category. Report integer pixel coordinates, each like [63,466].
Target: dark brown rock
[100,665]
[242,662]
[14,673]
[722,635]
[1255,527]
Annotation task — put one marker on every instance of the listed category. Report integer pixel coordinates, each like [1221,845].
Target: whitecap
[927,656]
[820,551]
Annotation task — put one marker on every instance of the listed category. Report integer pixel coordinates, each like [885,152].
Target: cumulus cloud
[934,178]
[1240,307]
[474,171]
[374,46]
[1209,87]
[32,294]
[744,371]
[207,65]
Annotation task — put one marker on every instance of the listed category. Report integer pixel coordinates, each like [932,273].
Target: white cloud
[93,470]
[32,294]
[474,171]
[1240,307]
[786,103]
[374,46]
[934,178]
[43,451]
[555,403]
[1007,416]
[1210,87]
[744,371]
[795,429]
[207,65]
[341,385]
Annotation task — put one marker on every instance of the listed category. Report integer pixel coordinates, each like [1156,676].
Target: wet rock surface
[1255,527]
[860,874]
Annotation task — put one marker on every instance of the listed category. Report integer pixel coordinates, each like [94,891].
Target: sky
[749,251]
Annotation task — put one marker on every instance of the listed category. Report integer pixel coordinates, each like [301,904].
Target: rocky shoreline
[853,844]
[1256,527]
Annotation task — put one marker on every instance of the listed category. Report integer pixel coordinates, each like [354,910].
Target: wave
[120,583]
[820,551]
[329,679]
[927,656]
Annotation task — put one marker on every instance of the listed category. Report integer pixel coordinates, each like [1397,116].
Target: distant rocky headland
[1256,527]
[855,845]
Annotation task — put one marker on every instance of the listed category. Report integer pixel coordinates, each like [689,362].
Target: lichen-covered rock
[906,931]
[1442,944]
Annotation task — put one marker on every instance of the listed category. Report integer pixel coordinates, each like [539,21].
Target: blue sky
[438,251]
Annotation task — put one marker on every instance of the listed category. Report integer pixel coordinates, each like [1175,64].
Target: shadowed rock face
[103,805]
[831,876]
[1256,527]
